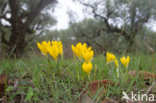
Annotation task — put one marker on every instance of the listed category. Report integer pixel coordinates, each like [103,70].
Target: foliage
[122,18]
[86,31]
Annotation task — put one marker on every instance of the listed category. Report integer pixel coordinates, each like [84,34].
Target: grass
[37,83]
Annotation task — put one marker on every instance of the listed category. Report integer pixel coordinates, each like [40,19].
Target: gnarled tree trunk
[20,24]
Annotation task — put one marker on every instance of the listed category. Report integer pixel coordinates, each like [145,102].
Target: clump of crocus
[54,50]
[125,61]
[79,49]
[84,52]
[87,68]
[58,45]
[43,47]
[110,57]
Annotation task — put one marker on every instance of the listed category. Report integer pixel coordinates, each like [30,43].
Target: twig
[15,86]
[150,88]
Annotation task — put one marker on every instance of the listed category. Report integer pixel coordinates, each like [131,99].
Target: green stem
[49,63]
[61,63]
[127,73]
[153,63]
[117,72]
[89,78]
[77,71]
[82,72]
[36,77]
[57,66]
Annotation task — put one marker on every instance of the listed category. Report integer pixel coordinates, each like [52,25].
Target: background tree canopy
[117,25]
[20,19]
[126,18]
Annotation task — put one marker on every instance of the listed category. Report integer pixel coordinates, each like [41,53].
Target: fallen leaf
[94,87]
[141,74]
[85,99]
[3,79]
[105,101]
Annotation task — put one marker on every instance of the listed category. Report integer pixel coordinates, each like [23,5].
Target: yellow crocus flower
[54,51]
[110,57]
[87,67]
[59,45]
[61,50]
[125,61]
[43,47]
[85,49]
[88,55]
[77,50]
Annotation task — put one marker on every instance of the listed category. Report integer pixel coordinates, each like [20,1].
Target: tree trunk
[16,42]
[130,45]
[18,27]
[0,47]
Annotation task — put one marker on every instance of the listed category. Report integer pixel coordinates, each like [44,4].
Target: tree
[91,32]
[131,15]
[26,16]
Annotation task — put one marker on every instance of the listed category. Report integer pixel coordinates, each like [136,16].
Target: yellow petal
[87,55]
[125,61]
[87,67]
[42,47]
[77,50]
[128,58]
[39,46]
[116,63]
[110,57]
[54,52]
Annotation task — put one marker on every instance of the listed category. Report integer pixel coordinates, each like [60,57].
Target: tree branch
[36,11]
[39,23]
[14,14]
[3,8]
[98,15]
[109,28]
[90,38]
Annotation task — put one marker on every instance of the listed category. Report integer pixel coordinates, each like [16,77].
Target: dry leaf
[105,101]
[96,85]
[93,88]
[3,79]
[142,74]
[85,99]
